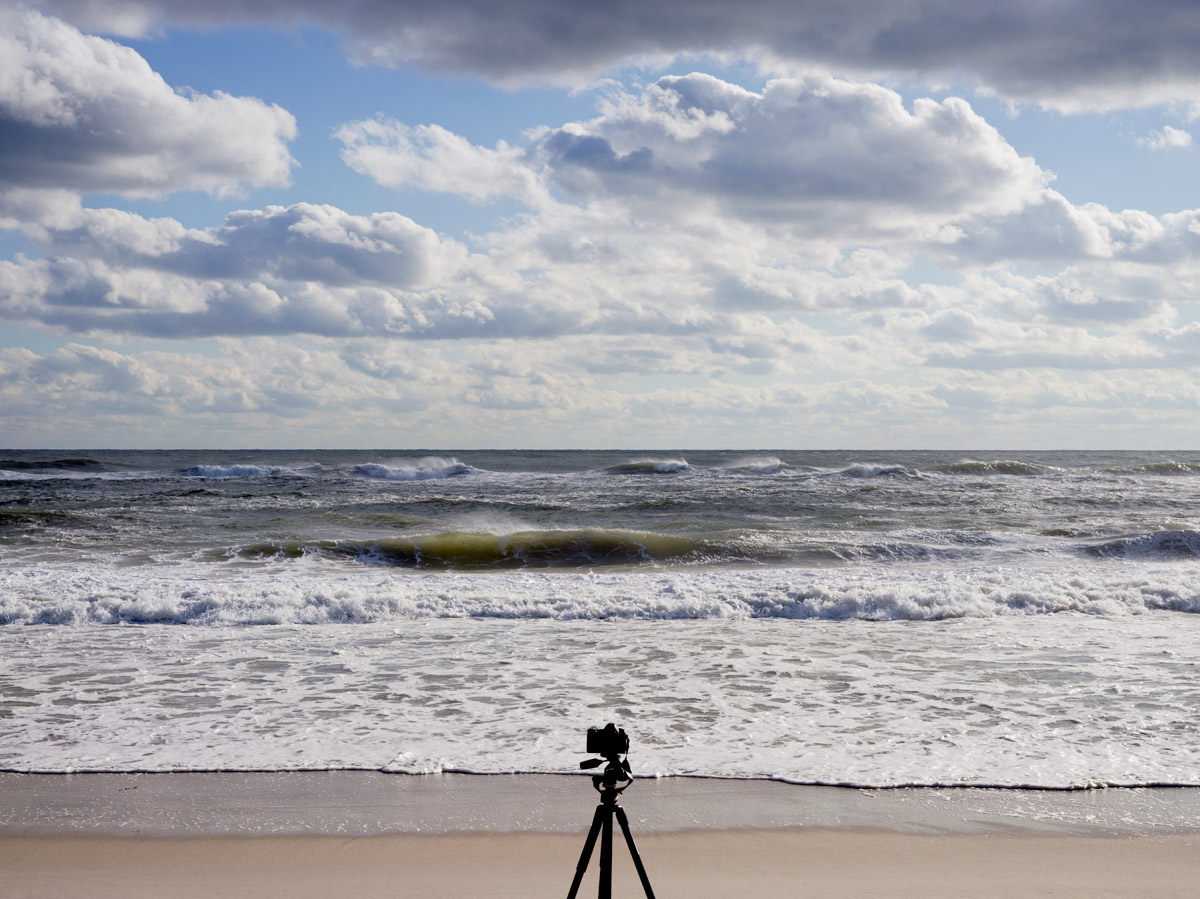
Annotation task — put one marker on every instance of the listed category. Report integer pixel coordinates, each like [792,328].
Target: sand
[300,836]
[700,864]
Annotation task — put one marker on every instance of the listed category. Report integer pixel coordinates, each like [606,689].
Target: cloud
[1052,229]
[428,157]
[816,155]
[301,242]
[81,114]
[1167,139]
[303,269]
[696,260]
[1100,56]
[88,298]
[255,386]
[1083,319]
[693,210]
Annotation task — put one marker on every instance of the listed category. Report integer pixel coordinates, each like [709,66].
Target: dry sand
[700,864]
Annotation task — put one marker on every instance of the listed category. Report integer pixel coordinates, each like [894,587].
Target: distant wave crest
[649,466]
[1161,545]
[427,469]
[231,471]
[1000,467]
[71,464]
[757,465]
[1158,468]
[861,470]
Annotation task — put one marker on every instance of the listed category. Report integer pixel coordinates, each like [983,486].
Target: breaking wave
[860,470]
[427,469]
[649,466]
[281,595]
[231,471]
[758,465]
[471,551]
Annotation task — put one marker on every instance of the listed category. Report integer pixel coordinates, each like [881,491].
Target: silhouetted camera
[607,741]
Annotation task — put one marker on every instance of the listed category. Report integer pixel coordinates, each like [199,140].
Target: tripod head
[610,742]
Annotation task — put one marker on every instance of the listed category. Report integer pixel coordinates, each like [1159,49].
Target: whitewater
[871,619]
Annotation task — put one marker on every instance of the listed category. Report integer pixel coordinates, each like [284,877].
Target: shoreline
[370,803]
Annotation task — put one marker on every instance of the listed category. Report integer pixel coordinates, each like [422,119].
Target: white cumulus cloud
[82,114]
[1167,139]
[818,154]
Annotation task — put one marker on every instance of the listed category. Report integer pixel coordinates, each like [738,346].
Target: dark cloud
[1067,52]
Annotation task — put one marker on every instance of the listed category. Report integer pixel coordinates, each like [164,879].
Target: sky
[877,224]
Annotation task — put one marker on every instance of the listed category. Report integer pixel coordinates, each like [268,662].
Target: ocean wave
[998,467]
[9,476]
[649,466]
[757,465]
[898,551]
[27,476]
[468,551]
[429,468]
[1164,545]
[1157,468]
[23,516]
[862,470]
[74,464]
[231,471]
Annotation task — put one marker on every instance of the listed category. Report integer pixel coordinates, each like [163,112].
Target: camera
[607,741]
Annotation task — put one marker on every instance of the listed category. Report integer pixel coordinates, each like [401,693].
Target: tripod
[602,826]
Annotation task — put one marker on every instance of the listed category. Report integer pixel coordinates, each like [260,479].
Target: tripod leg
[586,855]
[606,856]
[637,859]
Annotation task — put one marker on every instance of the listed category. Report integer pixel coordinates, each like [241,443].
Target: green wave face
[464,550]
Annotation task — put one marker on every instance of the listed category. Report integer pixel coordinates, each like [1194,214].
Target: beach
[364,834]
[352,675]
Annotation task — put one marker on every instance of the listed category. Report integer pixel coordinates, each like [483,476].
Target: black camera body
[607,741]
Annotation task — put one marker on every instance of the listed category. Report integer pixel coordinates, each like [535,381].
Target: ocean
[877,619]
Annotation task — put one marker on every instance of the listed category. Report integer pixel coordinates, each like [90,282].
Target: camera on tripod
[607,741]
[610,742]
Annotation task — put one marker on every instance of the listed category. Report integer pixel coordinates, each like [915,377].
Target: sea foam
[302,593]
[982,703]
